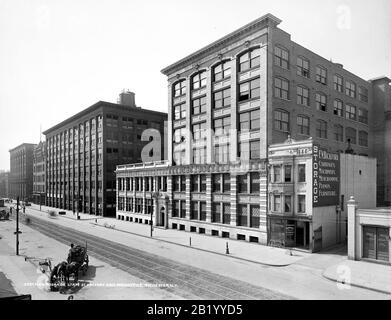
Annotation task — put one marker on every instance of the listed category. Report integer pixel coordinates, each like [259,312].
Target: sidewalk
[246,251]
[361,274]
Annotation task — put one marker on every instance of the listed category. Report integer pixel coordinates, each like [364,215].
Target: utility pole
[17,226]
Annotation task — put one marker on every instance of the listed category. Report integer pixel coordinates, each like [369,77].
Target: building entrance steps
[361,274]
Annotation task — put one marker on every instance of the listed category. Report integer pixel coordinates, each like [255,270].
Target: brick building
[83,151]
[4,184]
[228,102]
[39,173]
[21,172]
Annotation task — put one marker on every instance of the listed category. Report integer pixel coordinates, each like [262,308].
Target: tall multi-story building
[39,176]
[4,184]
[21,172]
[83,151]
[228,102]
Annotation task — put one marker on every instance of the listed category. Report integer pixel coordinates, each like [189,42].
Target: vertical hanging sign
[325,177]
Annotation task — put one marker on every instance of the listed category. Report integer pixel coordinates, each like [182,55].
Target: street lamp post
[154,195]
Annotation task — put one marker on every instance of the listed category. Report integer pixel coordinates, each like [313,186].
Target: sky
[58,57]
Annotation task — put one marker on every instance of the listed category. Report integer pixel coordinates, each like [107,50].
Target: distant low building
[21,172]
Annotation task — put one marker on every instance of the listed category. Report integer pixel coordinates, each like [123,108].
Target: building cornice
[264,21]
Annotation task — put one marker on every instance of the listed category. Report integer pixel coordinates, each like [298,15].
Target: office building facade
[39,174]
[21,172]
[84,150]
[228,102]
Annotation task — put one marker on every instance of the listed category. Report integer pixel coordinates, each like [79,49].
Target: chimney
[340,65]
[127,98]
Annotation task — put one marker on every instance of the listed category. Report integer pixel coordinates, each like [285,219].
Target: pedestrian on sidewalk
[24,209]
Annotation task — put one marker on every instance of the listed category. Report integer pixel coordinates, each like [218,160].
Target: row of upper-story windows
[282,123]
[281,90]
[281,58]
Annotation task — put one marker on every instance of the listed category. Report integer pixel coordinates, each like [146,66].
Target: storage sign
[325,177]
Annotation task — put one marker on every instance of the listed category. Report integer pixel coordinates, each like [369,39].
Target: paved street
[189,282]
[302,280]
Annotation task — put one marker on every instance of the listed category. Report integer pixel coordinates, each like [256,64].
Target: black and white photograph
[178,151]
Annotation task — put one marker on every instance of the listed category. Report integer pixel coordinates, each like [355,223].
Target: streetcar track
[177,278]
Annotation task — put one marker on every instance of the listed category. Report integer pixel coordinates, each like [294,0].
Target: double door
[376,243]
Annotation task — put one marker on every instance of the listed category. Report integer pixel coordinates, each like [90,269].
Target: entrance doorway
[376,243]
[162,216]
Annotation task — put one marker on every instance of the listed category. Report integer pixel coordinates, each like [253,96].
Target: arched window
[281,57]
[303,94]
[321,129]
[199,80]
[303,125]
[281,120]
[250,59]
[321,101]
[338,107]
[351,135]
[338,132]
[363,138]
[221,71]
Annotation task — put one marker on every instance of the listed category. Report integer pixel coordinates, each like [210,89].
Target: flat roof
[166,71]
[22,145]
[96,106]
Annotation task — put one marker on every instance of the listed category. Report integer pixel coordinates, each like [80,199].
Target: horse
[68,269]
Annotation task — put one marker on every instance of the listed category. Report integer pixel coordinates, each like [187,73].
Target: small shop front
[289,232]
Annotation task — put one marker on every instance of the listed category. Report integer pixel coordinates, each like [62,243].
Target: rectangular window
[222,99]
[194,210]
[226,213]
[203,211]
[216,180]
[183,183]
[216,211]
[321,75]
[288,204]
[338,83]
[221,154]
[281,57]
[249,90]
[350,89]
[254,182]
[287,173]
[222,126]
[242,183]
[254,216]
[241,219]
[249,121]
[277,174]
[175,185]
[194,183]
[199,105]
[277,203]
[180,111]
[303,67]
[226,183]
[301,203]
[175,211]
[203,183]
[301,172]
[183,209]
[281,88]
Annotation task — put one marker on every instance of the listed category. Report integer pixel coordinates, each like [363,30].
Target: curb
[200,249]
[357,285]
